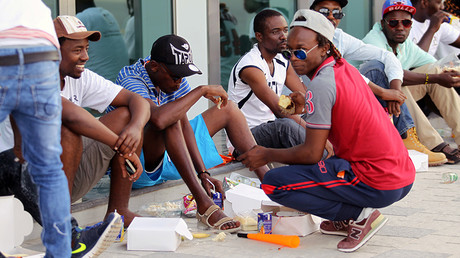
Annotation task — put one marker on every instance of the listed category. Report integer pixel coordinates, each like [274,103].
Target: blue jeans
[31,94]
[374,71]
[280,133]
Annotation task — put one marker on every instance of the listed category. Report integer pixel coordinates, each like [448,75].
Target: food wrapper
[190,206]
[450,62]
[255,182]
[169,209]
[229,184]
[248,220]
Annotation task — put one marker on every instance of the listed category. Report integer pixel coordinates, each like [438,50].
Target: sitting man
[160,78]
[89,144]
[349,187]
[429,27]
[419,74]
[256,82]
[385,73]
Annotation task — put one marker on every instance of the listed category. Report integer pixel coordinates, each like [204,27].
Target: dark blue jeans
[374,71]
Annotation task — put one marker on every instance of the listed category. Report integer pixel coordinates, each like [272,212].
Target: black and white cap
[175,53]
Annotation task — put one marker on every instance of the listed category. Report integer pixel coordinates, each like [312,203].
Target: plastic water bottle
[449,177]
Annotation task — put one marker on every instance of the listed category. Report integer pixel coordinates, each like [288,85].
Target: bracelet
[203,172]
[426,79]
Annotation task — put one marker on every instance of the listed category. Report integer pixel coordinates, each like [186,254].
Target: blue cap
[397,5]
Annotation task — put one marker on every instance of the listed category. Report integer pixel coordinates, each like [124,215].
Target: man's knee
[374,70]
[69,138]
[231,108]
[117,119]
[288,128]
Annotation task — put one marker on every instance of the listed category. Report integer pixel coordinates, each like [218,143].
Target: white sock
[365,213]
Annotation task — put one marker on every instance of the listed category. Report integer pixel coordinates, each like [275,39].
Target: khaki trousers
[445,99]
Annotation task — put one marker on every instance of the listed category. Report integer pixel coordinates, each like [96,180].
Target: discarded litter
[169,209]
[220,237]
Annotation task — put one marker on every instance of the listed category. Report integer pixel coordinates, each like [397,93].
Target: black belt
[30,58]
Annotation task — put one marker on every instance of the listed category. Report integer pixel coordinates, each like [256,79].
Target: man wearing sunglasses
[257,79]
[391,34]
[173,146]
[348,188]
[384,75]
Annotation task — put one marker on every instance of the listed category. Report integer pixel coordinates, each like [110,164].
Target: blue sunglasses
[301,54]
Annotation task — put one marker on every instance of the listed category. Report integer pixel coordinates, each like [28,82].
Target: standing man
[160,79]
[256,82]
[420,76]
[384,74]
[348,188]
[29,78]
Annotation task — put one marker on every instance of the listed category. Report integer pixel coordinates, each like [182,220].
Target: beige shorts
[94,163]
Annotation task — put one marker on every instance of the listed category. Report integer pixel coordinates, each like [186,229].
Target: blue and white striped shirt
[136,79]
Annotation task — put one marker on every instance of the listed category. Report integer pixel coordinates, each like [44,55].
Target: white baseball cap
[313,21]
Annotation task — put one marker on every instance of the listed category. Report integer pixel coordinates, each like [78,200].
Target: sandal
[203,219]
[452,155]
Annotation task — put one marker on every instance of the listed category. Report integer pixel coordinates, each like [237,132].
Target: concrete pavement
[423,224]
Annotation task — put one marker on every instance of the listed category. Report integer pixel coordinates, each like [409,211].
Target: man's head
[309,41]
[171,60]
[271,30]
[74,40]
[397,20]
[331,9]
[426,8]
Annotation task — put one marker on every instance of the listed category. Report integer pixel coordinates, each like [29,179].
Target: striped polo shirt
[136,79]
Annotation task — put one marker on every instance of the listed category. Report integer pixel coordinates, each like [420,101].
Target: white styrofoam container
[156,234]
[15,223]
[419,159]
[243,198]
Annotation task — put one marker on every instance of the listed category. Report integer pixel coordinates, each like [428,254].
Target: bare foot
[216,216]
[128,216]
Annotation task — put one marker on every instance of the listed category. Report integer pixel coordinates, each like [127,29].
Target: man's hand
[18,153]
[393,95]
[214,92]
[437,19]
[330,149]
[299,100]
[136,163]
[253,158]
[209,183]
[394,108]
[128,141]
[448,79]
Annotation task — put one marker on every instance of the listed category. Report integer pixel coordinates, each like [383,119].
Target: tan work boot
[412,143]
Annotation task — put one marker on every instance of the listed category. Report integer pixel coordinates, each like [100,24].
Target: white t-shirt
[446,49]
[31,14]
[255,111]
[90,90]
[446,34]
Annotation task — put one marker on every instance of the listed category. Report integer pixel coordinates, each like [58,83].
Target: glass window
[53,5]
[236,33]
[108,55]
